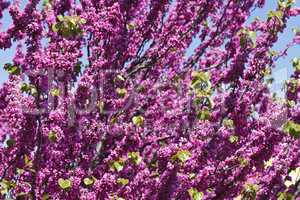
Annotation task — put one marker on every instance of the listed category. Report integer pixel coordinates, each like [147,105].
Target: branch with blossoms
[105,100]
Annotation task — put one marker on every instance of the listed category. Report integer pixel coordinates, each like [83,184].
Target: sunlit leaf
[138,120]
[52,136]
[122,181]
[64,183]
[268,163]
[292,128]
[182,156]
[204,114]
[121,92]
[233,139]
[117,165]
[195,194]
[285,196]
[55,92]
[12,69]
[89,181]
[135,157]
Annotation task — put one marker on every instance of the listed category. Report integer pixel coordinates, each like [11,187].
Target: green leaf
[203,92]
[55,27]
[273,53]
[115,197]
[252,36]
[290,103]
[135,157]
[279,15]
[250,191]
[153,163]
[89,181]
[243,41]
[60,18]
[66,32]
[233,139]
[46,196]
[82,21]
[271,14]
[33,90]
[293,84]
[130,26]
[201,85]
[10,143]
[25,87]
[122,181]
[121,92]
[68,26]
[20,171]
[117,165]
[64,183]
[138,120]
[292,128]
[206,23]
[55,92]
[295,30]
[275,14]
[6,186]
[100,105]
[12,69]
[296,64]
[210,102]
[21,195]
[46,2]
[140,89]
[71,20]
[182,156]
[120,77]
[203,114]
[285,4]
[52,136]
[77,68]
[228,123]
[268,163]
[200,76]
[28,162]
[192,176]
[243,161]
[245,36]
[195,194]
[285,196]
[114,120]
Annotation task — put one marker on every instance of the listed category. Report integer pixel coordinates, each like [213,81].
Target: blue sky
[281,73]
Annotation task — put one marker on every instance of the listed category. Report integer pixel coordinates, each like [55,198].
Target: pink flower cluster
[104,101]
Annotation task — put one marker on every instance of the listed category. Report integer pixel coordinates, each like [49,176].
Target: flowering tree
[103,101]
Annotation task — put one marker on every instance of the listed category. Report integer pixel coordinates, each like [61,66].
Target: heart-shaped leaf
[182,156]
[89,181]
[117,165]
[121,92]
[122,181]
[52,136]
[64,183]
[135,157]
[195,194]
[138,120]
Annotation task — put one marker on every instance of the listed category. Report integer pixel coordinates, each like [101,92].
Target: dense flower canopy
[103,101]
